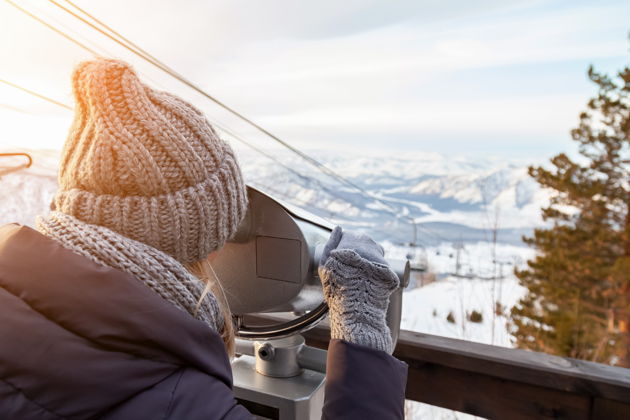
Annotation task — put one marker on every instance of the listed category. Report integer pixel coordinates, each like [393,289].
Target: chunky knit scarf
[159,271]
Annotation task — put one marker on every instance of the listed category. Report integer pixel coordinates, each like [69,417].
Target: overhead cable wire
[69,38]
[97,51]
[285,196]
[148,57]
[134,48]
[36,9]
[129,45]
[16,109]
[215,123]
[39,95]
[219,126]
[333,214]
[269,156]
[431,233]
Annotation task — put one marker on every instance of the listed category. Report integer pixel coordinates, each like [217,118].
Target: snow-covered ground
[426,308]
[466,197]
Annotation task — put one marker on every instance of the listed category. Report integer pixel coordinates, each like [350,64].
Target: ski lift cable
[431,233]
[163,67]
[16,109]
[40,96]
[134,48]
[285,196]
[215,123]
[103,52]
[280,163]
[269,156]
[333,214]
[4,171]
[227,131]
[148,57]
[37,10]
[123,41]
[129,45]
[69,38]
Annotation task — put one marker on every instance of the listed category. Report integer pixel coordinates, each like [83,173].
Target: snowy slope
[426,308]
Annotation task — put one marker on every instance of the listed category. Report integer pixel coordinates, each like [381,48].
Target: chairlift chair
[419,262]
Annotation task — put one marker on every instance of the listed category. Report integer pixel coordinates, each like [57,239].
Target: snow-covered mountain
[449,198]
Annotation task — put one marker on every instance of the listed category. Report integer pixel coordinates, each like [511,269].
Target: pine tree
[578,299]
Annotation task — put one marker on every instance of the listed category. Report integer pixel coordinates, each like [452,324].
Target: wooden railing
[501,383]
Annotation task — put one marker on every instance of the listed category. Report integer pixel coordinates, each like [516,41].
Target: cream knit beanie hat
[148,165]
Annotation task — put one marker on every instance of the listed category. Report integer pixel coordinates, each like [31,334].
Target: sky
[486,78]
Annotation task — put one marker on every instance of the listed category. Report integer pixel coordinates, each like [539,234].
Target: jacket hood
[78,338]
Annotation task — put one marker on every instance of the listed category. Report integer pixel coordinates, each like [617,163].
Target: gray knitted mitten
[357,283]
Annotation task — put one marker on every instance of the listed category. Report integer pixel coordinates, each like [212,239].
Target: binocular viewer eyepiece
[270,265]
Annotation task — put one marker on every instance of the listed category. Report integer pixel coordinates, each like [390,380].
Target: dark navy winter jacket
[82,341]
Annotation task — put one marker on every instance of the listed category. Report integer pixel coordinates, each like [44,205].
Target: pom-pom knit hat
[147,165]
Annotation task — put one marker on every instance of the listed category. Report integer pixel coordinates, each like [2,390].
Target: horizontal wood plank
[539,369]
[490,397]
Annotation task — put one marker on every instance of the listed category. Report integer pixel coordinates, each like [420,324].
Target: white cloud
[534,114]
